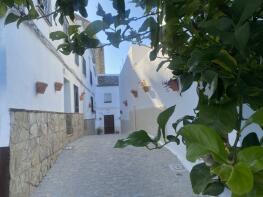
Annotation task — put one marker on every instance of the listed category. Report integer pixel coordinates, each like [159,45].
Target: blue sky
[114,57]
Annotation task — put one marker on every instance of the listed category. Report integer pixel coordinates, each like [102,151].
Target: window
[84,66]
[65,25]
[77,59]
[107,98]
[76,99]
[45,9]
[92,104]
[90,77]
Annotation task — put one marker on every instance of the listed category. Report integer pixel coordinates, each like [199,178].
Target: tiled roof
[108,80]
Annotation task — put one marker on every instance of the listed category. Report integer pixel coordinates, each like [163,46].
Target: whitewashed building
[47,99]
[143,95]
[108,105]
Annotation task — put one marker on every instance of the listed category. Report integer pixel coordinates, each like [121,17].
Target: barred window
[107,98]
[84,66]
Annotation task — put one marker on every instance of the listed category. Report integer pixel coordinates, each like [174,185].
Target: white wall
[138,68]
[108,108]
[24,60]
[4,135]
[158,97]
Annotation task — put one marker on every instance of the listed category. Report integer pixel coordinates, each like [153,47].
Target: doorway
[109,124]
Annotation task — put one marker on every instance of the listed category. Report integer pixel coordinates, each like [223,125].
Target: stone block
[34,131]
[19,187]
[44,168]
[35,175]
[35,158]
[43,152]
[19,158]
[18,133]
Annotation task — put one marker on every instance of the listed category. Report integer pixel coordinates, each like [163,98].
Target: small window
[107,98]
[92,104]
[45,9]
[84,66]
[77,59]
[76,99]
[90,78]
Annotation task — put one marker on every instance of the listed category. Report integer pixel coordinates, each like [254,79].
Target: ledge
[39,111]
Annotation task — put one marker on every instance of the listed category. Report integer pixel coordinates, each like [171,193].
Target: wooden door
[109,124]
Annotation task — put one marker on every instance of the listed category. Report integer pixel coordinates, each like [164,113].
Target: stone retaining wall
[36,140]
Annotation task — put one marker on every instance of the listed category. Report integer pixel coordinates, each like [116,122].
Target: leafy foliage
[215,44]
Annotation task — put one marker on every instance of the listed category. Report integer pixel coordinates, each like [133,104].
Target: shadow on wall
[141,112]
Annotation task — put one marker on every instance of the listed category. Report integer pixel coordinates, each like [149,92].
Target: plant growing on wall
[214,44]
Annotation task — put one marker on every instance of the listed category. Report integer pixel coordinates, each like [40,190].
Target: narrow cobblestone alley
[93,168]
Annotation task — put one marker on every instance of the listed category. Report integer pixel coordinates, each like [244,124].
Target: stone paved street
[92,168]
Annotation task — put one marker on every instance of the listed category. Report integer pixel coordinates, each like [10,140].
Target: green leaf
[114,38]
[83,11]
[108,19]
[119,5]
[241,179]
[253,157]
[223,171]
[249,8]
[172,138]
[186,82]
[94,27]
[258,182]
[153,54]
[3,9]
[100,11]
[202,140]
[186,119]
[211,78]
[22,19]
[217,26]
[91,43]
[222,118]
[57,35]
[200,178]
[11,18]
[214,189]
[195,151]
[250,140]
[72,29]
[137,139]
[64,48]
[61,19]
[257,118]
[242,34]
[238,178]
[257,190]
[161,65]
[225,61]
[164,117]
[147,24]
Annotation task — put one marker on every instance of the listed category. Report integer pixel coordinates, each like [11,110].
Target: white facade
[27,56]
[108,103]
[142,111]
